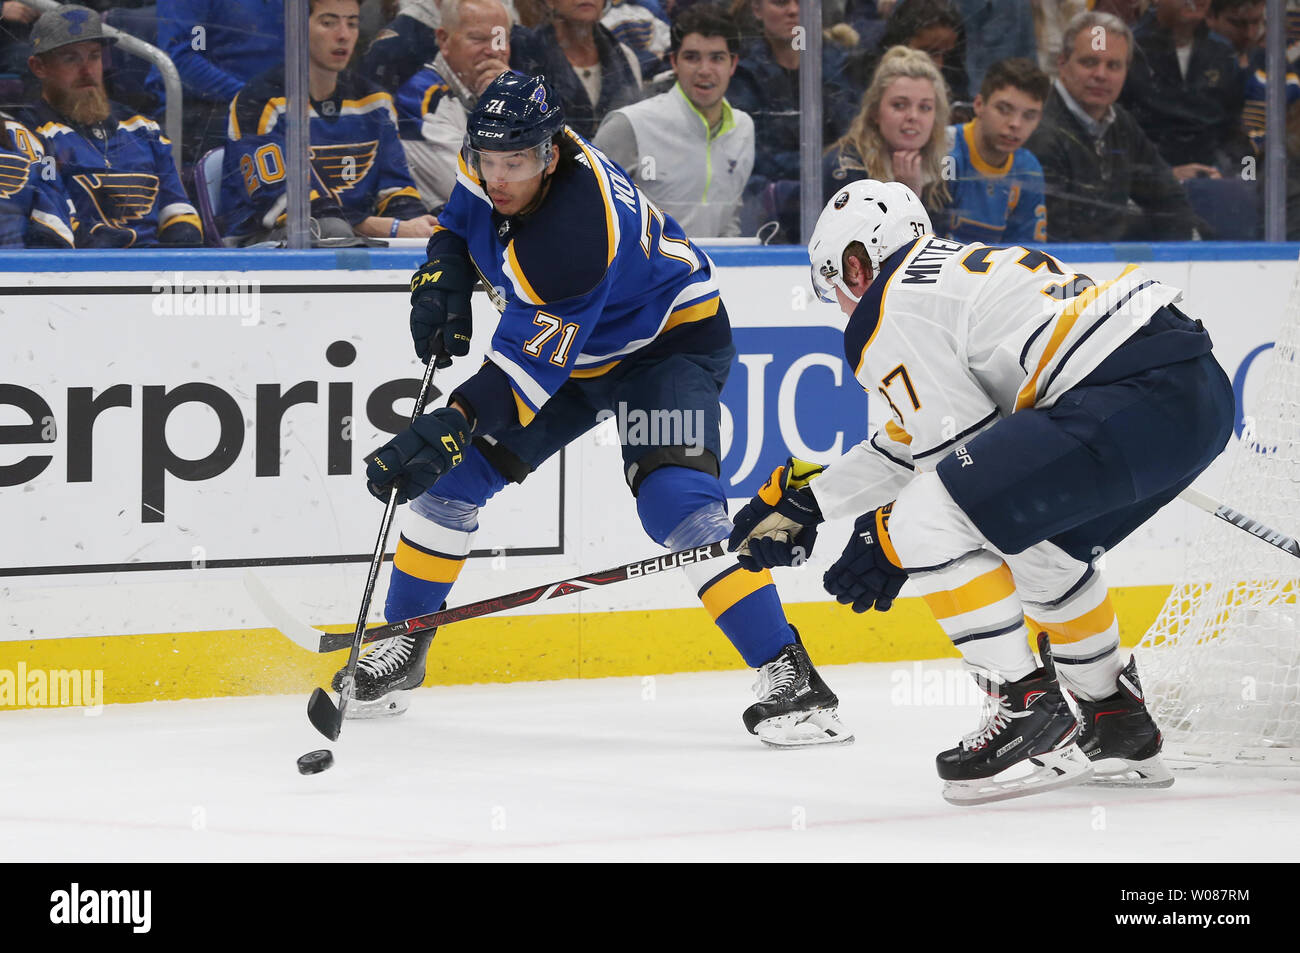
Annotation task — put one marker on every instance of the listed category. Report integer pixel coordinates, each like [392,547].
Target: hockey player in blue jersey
[116,166]
[360,180]
[1037,418]
[604,302]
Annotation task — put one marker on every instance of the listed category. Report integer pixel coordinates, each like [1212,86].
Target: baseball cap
[68,24]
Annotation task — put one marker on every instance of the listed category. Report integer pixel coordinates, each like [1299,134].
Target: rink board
[171,419]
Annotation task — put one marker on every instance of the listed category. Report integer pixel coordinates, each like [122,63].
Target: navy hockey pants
[1097,464]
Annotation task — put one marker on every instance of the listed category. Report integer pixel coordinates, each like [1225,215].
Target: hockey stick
[314,640]
[321,711]
[1243,522]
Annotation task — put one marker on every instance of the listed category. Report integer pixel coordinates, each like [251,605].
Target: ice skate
[1026,724]
[386,676]
[1119,737]
[795,708]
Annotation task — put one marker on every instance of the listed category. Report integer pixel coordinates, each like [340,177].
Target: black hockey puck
[314,762]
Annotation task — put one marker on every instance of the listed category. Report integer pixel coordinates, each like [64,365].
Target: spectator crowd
[1014,121]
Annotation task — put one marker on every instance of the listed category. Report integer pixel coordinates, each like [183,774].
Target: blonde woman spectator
[899,133]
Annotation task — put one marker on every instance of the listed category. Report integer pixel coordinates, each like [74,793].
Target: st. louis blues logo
[76,20]
[539,97]
[13,174]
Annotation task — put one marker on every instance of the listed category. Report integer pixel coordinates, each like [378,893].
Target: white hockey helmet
[884,216]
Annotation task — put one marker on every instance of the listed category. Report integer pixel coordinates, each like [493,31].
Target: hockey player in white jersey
[1038,418]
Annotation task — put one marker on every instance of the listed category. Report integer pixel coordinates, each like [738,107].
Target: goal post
[1221,664]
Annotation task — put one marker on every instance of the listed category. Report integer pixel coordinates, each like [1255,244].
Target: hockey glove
[867,575]
[440,311]
[778,526]
[416,457]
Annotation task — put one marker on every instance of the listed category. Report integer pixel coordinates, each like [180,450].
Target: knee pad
[704,462]
[670,495]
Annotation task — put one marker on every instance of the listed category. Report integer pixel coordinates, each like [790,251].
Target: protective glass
[516,166]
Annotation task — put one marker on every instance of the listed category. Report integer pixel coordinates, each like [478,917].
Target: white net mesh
[1221,665]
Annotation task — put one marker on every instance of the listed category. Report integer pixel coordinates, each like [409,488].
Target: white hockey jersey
[954,337]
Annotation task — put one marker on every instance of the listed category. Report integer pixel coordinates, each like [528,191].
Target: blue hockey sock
[681,508]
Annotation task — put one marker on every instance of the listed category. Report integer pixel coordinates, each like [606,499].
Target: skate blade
[1122,773]
[804,730]
[1055,769]
[394,703]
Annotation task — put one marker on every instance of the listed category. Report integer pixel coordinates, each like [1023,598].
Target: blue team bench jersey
[595,274]
[34,208]
[121,178]
[994,204]
[357,164]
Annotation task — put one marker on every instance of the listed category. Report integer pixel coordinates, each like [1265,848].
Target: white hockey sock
[1085,637]
[974,601]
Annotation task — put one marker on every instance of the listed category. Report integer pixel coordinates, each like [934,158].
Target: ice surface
[622,768]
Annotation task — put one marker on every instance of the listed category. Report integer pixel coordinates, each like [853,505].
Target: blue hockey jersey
[121,178]
[34,208]
[994,205]
[357,164]
[594,275]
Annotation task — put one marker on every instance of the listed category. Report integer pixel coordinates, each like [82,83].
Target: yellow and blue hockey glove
[868,574]
[417,456]
[778,526]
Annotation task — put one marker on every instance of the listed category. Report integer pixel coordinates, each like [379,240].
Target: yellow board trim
[173,665]
[1091,623]
[426,566]
[733,587]
[980,593]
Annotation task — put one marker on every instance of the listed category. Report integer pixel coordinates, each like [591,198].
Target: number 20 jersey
[953,337]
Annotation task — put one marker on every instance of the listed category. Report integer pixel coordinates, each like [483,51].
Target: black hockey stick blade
[323,714]
[332,642]
[1246,524]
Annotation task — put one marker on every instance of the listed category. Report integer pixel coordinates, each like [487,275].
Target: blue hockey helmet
[516,114]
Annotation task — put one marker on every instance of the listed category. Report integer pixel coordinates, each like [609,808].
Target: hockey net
[1221,664]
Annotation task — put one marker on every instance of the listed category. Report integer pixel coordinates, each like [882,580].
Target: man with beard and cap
[117,166]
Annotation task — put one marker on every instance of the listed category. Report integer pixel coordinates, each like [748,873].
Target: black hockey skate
[1026,723]
[386,676]
[1120,738]
[795,708]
